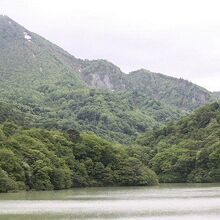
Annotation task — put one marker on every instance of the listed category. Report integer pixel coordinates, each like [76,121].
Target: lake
[164,202]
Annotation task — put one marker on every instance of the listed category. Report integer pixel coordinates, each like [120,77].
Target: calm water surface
[164,202]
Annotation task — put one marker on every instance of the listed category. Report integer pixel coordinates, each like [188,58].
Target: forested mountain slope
[216,95]
[60,91]
[10,113]
[176,92]
[189,150]
[39,159]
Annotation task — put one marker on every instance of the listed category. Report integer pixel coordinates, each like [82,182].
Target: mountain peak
[27,56]
[3,16]
[104,75]
[142,70]
[49,83]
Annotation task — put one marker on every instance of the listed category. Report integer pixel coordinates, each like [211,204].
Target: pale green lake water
[164,202]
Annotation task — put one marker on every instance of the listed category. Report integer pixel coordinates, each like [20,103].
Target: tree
[133,172]
[6,183]
[41,179]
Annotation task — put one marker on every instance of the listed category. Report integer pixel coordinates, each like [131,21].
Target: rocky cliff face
[102,74]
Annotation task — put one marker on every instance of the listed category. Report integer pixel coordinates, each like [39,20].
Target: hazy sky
[180,38]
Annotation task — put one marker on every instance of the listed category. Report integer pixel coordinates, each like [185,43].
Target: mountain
[39,159]
[60,91]
[216,95]
[10,113]
[103,75]
[53,106]
[188,150]
[176,92]
[179,93]
[30,60]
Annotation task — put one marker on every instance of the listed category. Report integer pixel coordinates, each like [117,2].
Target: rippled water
[164,202]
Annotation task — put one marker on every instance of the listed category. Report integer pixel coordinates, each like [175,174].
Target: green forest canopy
[65,118]
[39,159]
[189,150]
[60,91]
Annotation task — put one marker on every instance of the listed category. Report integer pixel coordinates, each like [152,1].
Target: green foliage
[41,179]
[6,183]
[53,90]
[173,164]
[189,150]
[9,129]
[175,92]
[57,91]
[38,159]
[8,113]
[133,172]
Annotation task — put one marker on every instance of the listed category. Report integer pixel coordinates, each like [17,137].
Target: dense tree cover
[175,92]
[39,159]
[10,113]
[115,116]
[56,89]
[186,151]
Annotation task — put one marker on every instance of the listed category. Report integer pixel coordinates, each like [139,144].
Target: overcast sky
[179,38]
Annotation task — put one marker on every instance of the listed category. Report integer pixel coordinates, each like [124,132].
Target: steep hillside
[12,114]
[216,95]
[116,116]
[60,91]
[27,59]
[179,93]
[103,75]
[38,159]
[176,92]
[189,150]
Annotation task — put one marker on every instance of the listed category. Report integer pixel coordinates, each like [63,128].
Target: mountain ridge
[61,91]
